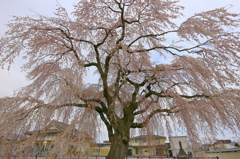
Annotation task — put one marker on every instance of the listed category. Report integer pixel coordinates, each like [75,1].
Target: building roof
[58,127]
[148,136]
[224,150]
[103,144]
[148,145]
[177,136]
[223,142]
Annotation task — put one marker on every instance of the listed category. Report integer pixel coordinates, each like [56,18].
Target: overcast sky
[14,79]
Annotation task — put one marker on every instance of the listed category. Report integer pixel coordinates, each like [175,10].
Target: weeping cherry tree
[125,65]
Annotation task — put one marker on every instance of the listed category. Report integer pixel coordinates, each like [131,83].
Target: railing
[98,157]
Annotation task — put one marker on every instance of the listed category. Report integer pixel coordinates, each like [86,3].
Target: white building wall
[175,147]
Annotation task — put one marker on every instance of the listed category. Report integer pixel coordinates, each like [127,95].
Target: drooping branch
[196,96]
[150,36]
[26,113]
[151,100]
[169,48]
[68,38]
[158,68]
[147,119]
[107,31]
[162,94]
[67,35]
[36,104]
[145,109]
[176,84]
[109,7]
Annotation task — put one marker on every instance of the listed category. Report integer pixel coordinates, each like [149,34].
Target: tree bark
[118,148]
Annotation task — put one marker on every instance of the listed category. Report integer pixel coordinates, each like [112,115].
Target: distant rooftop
[224,150]
[148,136]
[58,127]
[223,142]
[176,136]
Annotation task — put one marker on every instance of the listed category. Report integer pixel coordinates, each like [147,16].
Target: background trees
[152,73]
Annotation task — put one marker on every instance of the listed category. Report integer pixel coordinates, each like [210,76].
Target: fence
[84,157]
[100,157]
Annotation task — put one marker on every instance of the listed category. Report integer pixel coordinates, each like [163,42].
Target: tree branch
[150,35]
[48,106]
[143,124]
[161,94]
[146,108]
[167,48]
[123,24]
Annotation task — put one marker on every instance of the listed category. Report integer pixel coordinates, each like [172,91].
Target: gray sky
[14,79]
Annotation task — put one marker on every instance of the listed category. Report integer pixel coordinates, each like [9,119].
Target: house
[221,154]
[224,144]
[52,139]
[143,145]
[220,145]
[224,154]
[101,149]
[224,149]
[55,140]
[147,145]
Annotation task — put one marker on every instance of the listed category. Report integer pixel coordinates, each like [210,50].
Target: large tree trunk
[119,134]
[119,147]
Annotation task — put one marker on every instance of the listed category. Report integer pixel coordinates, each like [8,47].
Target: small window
[96,150]
[139,151]
[49,142]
